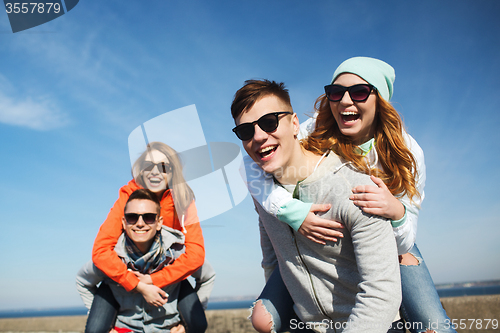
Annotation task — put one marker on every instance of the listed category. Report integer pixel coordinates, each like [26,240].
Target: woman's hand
[377,200]
[144,278]
[320,230]
[152,294]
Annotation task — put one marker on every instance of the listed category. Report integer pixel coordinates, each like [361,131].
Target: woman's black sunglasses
[357,92]
[268,123]
[162,167]
[148,218]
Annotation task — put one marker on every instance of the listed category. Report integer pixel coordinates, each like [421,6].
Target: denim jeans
[191,309]
[102,315]
[421,307]
[278,302]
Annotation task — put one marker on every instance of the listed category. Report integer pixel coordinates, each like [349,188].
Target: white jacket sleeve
[261,185]
[307,127]
[263,189]
[406,233]
[87,279]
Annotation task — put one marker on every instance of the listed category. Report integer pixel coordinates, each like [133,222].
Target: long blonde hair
[398,163]
[181,192]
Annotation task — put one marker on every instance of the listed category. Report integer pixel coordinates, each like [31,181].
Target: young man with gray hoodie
[146,246]
[352,285]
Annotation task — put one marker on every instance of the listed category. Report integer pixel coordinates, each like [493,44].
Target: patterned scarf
[152,261]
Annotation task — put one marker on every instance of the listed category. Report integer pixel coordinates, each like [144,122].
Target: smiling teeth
[140,231]
[349,113]
[263,150]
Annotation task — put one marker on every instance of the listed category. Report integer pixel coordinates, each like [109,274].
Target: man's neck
[144,247]
[300,167]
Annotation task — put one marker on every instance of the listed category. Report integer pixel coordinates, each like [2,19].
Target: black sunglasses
[357,92]
[148,218]
[161,166]
[268,123]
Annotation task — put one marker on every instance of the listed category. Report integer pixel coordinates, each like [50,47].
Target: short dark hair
[253,90]
[144,194]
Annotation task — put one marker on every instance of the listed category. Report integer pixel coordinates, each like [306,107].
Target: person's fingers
[330,239]
[373,211]
[159,302]
[365,189]
[334,225]
[371,199]
[329,233]
[379,182]
[361,204]
[368,204]
[358,197]
[323,238]
[316,240]
[320,207]
[359,189]
[178,329]
[365,196]
[324,223]
[162,293]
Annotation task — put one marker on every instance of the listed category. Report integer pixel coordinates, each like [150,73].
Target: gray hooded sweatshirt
[135,313]
[352,285]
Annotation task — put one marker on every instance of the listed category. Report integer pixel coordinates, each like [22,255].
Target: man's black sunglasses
[268,123]
[148,218]
[357,92]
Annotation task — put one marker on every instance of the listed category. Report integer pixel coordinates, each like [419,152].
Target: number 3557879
[32,7]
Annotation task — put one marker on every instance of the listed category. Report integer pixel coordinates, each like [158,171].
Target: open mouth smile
[349,116]
[155,181]
[267,151]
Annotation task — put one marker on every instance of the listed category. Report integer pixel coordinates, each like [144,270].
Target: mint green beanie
[376,72]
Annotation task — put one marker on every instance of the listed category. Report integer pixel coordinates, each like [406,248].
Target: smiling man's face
[271,151]
[140,232]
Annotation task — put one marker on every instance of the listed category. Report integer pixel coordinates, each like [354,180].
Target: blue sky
[73,89]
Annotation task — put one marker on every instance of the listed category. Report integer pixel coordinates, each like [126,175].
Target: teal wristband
[399,222]
[294,213]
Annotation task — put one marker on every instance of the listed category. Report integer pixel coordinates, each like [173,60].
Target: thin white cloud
[41,114]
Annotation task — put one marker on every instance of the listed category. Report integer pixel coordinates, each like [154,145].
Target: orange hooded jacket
[106,259]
